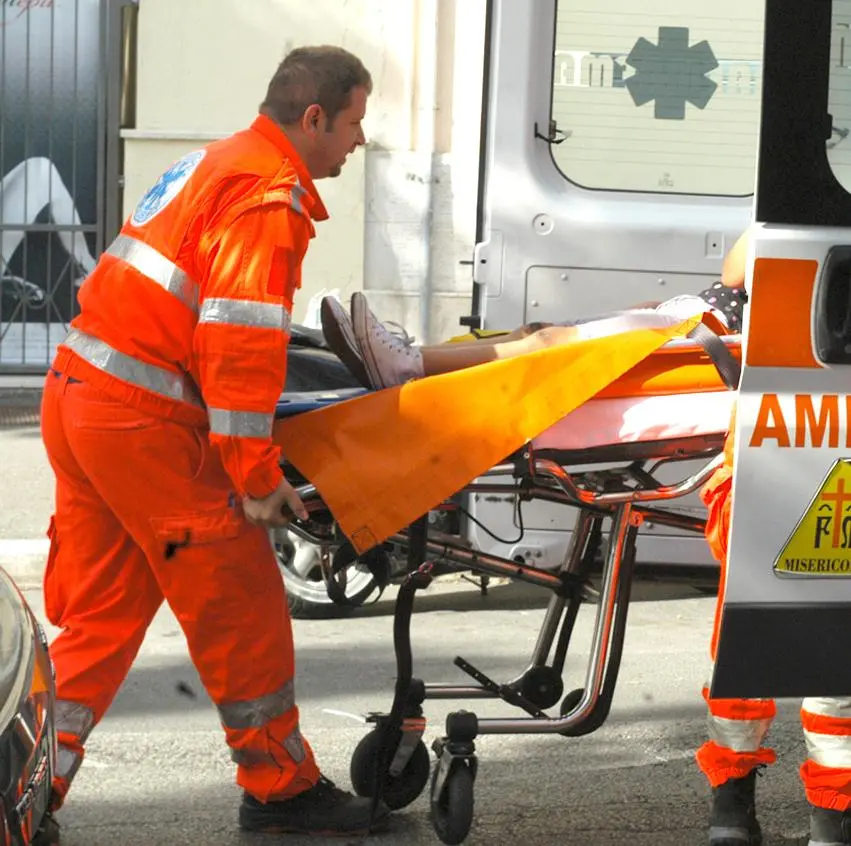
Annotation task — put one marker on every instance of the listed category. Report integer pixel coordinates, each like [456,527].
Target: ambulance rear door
[786,624]
[617,168]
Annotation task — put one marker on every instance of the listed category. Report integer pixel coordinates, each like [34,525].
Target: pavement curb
[24,560]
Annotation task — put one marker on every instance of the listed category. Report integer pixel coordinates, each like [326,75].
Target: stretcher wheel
[400,791]
[542,686]
[452,811]
[571,701]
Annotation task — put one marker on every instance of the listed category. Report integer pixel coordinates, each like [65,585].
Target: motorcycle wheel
[306,591]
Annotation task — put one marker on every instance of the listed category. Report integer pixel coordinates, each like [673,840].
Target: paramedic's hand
[277,508]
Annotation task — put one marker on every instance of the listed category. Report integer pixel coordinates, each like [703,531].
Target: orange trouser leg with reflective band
[144,512]
[737,727]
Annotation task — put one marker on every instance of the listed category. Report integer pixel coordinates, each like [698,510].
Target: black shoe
[322,810]
[830,828]
[732,821]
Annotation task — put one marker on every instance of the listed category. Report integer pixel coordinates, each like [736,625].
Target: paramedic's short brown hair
[322,75]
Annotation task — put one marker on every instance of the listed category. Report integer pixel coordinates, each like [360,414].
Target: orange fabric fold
[382,460]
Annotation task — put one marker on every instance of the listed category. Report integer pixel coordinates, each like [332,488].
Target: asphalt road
[158,772]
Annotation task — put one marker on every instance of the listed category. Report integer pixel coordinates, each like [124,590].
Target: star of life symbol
[167,187]
[820,545]
[671,73]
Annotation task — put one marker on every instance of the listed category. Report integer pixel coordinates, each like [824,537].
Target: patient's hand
[277,509]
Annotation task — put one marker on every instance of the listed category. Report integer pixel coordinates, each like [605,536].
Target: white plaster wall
[399,227]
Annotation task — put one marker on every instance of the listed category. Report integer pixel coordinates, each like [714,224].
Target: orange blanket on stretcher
[382,460]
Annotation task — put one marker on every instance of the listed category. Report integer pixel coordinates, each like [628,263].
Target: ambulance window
[659,100]
[839,96]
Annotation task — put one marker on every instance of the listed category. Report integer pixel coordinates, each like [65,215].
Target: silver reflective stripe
[738,735]
[245,313]
[67,763]
[256,713]
[73,718]
[296,193]
[175,386]
[153,264]
[293,745]
[829,750]
[828,707]
[240,424]
[726,834]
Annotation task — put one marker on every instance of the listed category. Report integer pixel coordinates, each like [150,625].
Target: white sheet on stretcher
[606,422]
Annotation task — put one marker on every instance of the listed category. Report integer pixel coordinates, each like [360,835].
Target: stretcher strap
[725,362]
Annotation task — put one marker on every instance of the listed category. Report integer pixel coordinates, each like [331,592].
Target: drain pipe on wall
[424,135]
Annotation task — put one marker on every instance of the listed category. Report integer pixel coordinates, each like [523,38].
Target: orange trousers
[144,512]
[738,727]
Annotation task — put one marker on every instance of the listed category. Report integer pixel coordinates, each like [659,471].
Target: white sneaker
[340,337]
[387,358]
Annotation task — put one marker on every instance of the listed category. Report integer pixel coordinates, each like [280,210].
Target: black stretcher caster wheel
[452,810]
[571,701]
[399,791]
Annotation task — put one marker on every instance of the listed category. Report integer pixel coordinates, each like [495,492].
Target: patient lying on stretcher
[378,358]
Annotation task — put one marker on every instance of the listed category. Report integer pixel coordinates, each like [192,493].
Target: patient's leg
[389,361]
[515,335]
[446,358]
[380,359]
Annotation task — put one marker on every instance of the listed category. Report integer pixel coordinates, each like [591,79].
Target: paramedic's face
[341,137]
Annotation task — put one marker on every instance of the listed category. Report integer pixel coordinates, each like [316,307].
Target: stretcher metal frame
[610,483]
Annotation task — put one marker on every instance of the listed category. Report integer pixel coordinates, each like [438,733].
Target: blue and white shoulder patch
[168,186]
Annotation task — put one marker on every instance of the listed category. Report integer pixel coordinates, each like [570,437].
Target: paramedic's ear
[310,119]
[736,261]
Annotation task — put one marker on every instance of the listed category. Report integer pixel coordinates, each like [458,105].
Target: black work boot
[732,821]
[322,810]
[830,828]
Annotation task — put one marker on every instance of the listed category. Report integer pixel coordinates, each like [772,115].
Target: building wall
[403,212]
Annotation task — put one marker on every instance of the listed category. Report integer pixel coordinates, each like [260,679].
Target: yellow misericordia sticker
[820,545]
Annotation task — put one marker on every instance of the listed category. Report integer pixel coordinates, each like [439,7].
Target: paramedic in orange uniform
[735,751]
[157,419]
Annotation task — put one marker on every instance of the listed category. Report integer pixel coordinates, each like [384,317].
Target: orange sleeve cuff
[252,464]
[263,480]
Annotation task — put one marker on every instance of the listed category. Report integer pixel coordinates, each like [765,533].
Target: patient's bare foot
[387,358]
[340,336]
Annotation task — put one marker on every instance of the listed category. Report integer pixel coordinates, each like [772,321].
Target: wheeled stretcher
[602,459]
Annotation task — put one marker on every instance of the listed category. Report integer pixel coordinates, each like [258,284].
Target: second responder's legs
[730,760]
[826,774]
[734,752]
[220,577]
[98,589]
